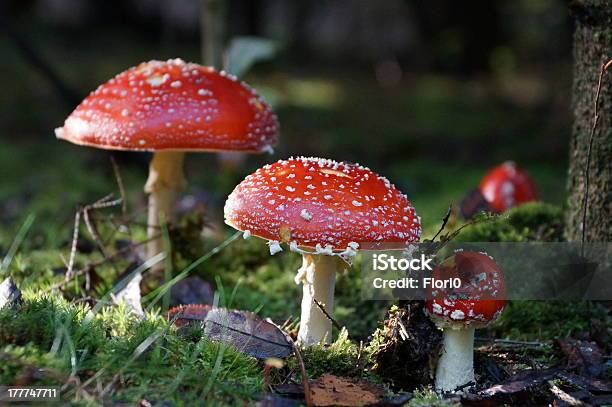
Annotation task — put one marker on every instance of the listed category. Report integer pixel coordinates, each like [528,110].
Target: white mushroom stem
[165,180]
[456,364]
[318,276]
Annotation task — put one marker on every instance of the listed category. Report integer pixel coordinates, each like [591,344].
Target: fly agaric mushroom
[502,188]
[478,302]
[170,108]
[325,211]
[507,186]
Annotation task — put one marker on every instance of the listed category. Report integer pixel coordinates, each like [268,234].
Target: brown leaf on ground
[330,390]
[582,356]
[587,383]
[247,333]
[520,382]
[186,314]
[564,399]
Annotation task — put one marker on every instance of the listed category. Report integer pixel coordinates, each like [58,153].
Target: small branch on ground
[99,263]
[83,211]
[510,342]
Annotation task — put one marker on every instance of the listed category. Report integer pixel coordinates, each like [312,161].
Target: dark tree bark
[592,48]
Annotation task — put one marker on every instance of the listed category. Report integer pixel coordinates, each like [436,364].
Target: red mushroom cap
[172,105]
[315,201]
[481,297]
[507,186]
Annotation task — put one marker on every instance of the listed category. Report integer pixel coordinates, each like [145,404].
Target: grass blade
[21,234]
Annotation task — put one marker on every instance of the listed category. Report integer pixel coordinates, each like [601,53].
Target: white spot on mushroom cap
[157,80]
[457,315]
[306,215]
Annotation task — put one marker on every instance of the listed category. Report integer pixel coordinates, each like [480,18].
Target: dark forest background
[430,94]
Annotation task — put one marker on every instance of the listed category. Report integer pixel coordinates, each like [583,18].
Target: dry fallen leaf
[330,390]
[190,313]
[247,333]
[585,357]
[520,382]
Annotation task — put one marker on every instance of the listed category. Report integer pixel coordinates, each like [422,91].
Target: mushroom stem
[318,276]
[456,364]
[165,180]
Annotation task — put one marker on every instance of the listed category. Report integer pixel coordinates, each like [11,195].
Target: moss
[537,320]
[110,344]
[535,221]
[427,397]
[341,358]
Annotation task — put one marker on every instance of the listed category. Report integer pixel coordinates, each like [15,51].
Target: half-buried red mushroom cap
[312,202]
[507,186]
[479,301]
[173,105]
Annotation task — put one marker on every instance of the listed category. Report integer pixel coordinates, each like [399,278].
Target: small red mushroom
[478,302]
[502,188]
[170,108]
[324,210]
[507,186]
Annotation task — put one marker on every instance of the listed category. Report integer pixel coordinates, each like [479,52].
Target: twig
[402,331]
[99,263]
[333,321]
[73,247]
[444,222]
[120,185]
[93,231]
[445,239]
[104,202]
[305,384]
[585,202]
[511,342]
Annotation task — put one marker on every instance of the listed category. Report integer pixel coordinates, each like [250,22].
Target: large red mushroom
[326,211]
[459,311]
[170,108]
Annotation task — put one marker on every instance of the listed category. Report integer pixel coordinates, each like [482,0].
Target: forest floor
[434,136]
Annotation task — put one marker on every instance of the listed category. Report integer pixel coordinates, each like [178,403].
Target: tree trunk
[592,48]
